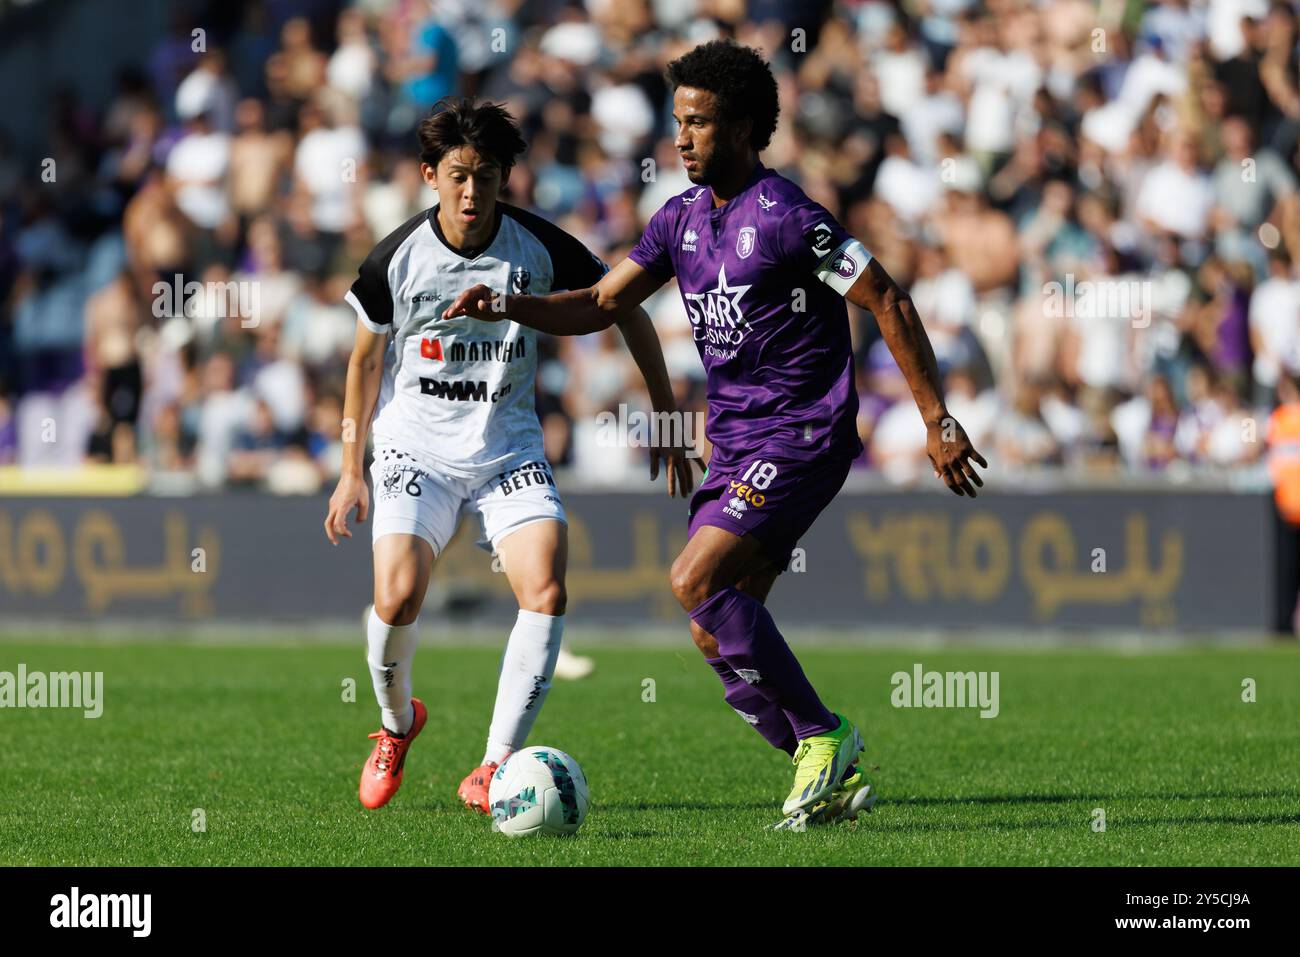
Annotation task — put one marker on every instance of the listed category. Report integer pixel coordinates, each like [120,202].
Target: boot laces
[387,751]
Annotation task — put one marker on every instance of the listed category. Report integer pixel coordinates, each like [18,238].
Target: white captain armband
[841,269]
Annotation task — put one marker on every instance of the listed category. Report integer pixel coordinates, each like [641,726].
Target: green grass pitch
[262,741]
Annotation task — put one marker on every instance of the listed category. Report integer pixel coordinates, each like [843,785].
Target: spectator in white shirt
[328,165]
[197,168]
[1177,196]
[1274,322]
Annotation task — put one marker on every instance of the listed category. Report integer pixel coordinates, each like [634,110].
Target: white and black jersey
[459,392]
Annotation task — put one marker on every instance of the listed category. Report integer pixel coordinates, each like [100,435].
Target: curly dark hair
[463,121]
[739,77]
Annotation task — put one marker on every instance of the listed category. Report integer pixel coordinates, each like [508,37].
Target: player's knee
[549,598]
[690,584]
[396,605]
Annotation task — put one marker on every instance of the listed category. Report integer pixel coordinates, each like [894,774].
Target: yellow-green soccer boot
[819,763]
[850,798]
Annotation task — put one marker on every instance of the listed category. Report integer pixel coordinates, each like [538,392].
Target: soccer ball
[538,790]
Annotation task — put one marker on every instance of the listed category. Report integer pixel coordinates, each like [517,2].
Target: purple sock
[765,716]
[749,641]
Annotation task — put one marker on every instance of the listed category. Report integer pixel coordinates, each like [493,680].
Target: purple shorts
[775,498]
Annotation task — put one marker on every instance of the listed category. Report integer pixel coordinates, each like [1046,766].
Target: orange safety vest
[1284,459]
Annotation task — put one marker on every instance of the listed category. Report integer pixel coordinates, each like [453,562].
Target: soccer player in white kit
[456,430]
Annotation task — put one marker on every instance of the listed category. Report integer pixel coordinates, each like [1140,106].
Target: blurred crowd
[1092,205]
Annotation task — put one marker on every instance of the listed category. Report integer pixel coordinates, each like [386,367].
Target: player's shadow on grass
[1075,798]
[689,805]
[943,826]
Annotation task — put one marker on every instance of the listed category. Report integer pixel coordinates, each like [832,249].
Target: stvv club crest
[745,242]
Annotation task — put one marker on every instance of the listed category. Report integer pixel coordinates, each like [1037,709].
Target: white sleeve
[380,330]
[840,270]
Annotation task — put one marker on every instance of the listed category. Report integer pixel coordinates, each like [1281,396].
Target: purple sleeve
[808,234]
[651,252]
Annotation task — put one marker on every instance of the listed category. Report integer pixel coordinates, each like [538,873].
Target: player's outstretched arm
[365,372]
[947,444]
[574,313]
[643,343]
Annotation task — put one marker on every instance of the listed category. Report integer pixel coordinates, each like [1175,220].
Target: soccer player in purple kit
[763,272]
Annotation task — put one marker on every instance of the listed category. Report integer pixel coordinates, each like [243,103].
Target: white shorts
[414,498]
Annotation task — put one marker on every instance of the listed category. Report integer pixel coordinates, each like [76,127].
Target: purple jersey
[773,335]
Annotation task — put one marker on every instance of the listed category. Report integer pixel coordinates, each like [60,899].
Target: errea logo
[689,239]
[737,507]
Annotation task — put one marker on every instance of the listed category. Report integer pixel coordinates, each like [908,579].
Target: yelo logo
[746,492]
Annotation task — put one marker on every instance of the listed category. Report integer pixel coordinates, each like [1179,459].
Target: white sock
[526,671]
[390,649]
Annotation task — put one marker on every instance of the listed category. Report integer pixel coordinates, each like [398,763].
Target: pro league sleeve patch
[819,239]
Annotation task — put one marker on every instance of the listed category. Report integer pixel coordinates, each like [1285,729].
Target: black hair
[463,121]
[741,80]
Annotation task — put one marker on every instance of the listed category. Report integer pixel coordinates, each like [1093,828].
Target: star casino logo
[716,314]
